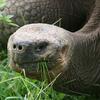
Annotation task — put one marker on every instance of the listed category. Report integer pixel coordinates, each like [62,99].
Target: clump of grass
[5,19]
[13,86]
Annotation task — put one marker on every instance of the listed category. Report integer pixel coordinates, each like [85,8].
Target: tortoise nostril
[17,47]
[14,46]
[20,47]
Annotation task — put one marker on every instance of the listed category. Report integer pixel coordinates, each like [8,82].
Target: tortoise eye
[41,46]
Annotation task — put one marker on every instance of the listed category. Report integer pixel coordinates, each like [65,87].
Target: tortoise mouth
[34,70]
[34,67]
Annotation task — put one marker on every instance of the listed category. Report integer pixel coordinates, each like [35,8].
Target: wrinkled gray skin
[74,14]
[73,57]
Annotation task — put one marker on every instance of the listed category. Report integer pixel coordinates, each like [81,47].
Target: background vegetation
[13,86]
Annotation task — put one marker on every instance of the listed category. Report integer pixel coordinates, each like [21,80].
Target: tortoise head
[34,44]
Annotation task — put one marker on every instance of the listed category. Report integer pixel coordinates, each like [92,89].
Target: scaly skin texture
[73,57]
[74,14]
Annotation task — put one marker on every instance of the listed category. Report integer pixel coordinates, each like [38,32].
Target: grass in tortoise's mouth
[43,68]
[35,67]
